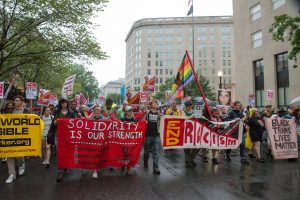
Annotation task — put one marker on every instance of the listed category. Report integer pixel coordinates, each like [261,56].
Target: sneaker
[10,178]
[44,162]
[156,172]
[146,164]
[47,165]
[204,159]
[244,161]
[215,161]
[22,170]
[95,174]
[260,160]
[59,177]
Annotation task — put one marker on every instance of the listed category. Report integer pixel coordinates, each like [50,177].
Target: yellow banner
[20,135]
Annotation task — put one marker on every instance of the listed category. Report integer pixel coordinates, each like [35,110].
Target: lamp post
[220,74]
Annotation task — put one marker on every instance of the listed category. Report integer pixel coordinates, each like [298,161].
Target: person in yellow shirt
[173,110]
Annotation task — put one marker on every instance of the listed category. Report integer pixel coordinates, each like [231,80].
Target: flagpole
[199,86]
[193,35]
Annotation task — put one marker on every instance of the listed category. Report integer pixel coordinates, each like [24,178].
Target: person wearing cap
[189,154]
[63,111]
[128,117]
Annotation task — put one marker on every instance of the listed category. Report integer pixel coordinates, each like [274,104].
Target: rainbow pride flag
[183,78]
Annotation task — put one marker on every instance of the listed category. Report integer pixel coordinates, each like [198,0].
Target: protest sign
[149,84]
[1,90]
[20,135]
[82,99]
[44,96]
[68,86]
[31,90]
[92,144]
[144,96]
[133,97]
[270,94]
[224,97]
[181,132]
[283,137]
[53,99]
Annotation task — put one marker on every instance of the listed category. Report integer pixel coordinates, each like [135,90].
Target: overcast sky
[118,17]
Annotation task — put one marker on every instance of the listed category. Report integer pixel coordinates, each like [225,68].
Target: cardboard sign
[31,90]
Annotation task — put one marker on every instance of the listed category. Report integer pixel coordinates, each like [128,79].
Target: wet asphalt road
[270,180]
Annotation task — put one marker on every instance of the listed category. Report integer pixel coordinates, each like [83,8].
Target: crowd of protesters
[253,121]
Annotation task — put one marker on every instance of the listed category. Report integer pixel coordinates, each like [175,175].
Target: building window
[161,71]
[256,39]
[156,71]
[213,71]
[255,12]
[167,71]
[277,3]
[156,63]
[259,83]
[160,80]
[171,71]
[149,63]
[229,54]
[213,62]
[283,84]
[228,62]
[148,71]
[224,62]
[156,54]
[149,54]
[161,63]
[229,71]
[224,53]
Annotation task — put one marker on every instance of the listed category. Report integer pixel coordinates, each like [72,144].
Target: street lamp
[220,74]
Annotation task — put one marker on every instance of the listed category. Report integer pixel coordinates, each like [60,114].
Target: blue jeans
[242,148]
[153,142]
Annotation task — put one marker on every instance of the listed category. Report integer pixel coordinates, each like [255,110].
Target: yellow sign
[20,135]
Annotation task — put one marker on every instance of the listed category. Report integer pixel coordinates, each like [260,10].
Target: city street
[270,180]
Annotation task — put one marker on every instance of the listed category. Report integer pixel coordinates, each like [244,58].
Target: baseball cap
[128,108]
[188,103]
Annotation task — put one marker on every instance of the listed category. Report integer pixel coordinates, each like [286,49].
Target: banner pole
[199,86]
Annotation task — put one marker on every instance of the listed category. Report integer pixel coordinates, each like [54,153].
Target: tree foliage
[116,98]
[34,30]
[285,24]
[191,90]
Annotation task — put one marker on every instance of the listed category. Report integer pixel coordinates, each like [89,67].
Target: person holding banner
[189,154]
[63,112]
[96,116]
[9,108]
[237,114]
[128,118]
[152,136]
[108,112]
[256,126]
[20,161]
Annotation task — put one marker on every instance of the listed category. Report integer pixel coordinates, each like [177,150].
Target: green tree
[190,90]
[285,24]
[32,30]
[117,98]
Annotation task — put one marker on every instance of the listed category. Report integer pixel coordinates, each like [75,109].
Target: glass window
[149,63]
[224,62]
[212,54]
[156,63]
[283,84]
[161,71]
[256,39]
[156,54]
[277,3]
[156,71]
[255,12]
[149,54]
[213,62]
[148,71]
[228,62]
[229,71]
[167,71]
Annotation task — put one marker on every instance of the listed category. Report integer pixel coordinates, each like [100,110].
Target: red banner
[92,144]
[182,132]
